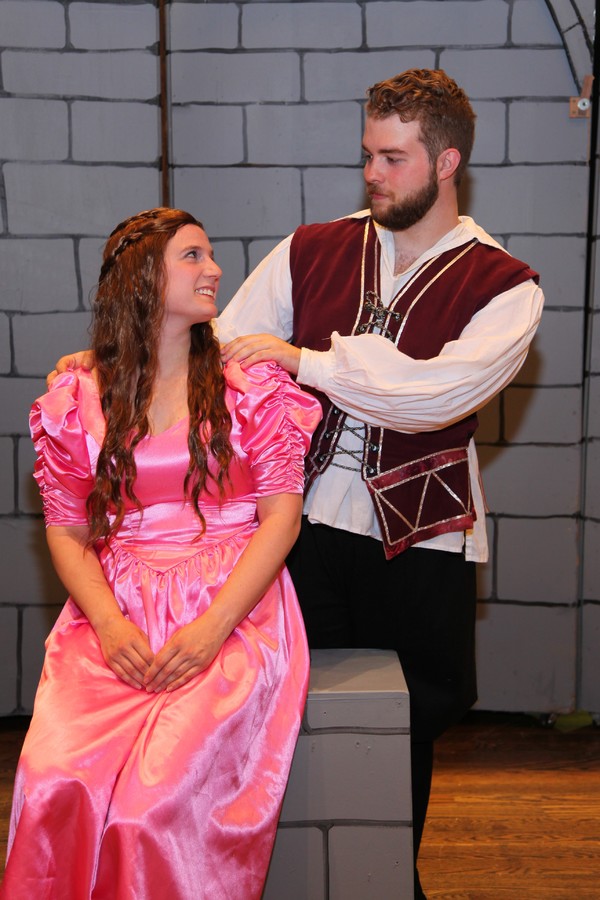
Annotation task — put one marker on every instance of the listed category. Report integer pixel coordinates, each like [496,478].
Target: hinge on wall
[581,107]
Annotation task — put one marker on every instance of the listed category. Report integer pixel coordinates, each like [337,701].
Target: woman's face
[192,277]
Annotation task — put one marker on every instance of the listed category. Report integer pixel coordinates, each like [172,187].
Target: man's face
[401,182]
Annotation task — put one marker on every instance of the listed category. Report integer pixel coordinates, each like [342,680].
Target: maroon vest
[419,483]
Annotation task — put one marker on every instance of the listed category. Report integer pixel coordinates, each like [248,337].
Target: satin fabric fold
[123,794]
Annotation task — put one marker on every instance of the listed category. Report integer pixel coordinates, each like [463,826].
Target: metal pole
[164,105]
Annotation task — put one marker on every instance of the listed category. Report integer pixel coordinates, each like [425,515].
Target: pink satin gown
[125,795]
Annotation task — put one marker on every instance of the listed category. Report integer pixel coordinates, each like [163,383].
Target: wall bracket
[581,107]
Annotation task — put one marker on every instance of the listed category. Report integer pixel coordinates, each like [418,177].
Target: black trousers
[421,604]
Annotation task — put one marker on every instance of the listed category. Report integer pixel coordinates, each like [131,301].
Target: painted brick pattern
[506,638]
[120,75]
[233,78]
[112,26]
[277,134]
[79,149]
[437,22]
[590,537]
[37,129]
[203,26]
[347,75]
[94,126]
[32,23]
[531,24]
[266,110]
[38,275]
[301,25]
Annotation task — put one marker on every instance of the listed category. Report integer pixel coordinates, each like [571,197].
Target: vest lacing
[358,455]
[380,317]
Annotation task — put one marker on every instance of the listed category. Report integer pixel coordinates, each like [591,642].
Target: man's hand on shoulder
[82,359]
[252,348]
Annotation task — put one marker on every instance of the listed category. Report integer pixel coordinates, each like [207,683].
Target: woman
[175,677]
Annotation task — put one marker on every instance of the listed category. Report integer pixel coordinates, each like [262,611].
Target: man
[404,322]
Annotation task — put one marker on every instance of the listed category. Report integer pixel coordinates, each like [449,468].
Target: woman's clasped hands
[126,650]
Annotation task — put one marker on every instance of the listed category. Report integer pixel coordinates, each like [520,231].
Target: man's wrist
[315,367]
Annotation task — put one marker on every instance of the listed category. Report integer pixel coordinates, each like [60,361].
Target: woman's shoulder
[262,376]
[267,380]
[267,388]
[71,403]
[60,422]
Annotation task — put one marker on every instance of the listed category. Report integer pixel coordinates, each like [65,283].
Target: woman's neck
[169,402]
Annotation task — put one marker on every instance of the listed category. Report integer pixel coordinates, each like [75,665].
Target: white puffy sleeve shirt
[371,380]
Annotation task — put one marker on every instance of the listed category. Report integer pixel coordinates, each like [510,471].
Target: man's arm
[365,374]
[367,377]
[373,381]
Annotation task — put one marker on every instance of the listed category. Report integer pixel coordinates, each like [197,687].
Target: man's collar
[464,231]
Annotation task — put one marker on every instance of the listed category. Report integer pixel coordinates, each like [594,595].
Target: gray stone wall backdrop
[590,544]
[266,117]
[79,150]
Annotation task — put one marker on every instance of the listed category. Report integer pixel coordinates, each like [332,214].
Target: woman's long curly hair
[128,315]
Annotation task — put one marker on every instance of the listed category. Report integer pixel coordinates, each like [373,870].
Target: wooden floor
[514,812]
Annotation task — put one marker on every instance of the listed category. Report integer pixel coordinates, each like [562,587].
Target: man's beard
[411,210]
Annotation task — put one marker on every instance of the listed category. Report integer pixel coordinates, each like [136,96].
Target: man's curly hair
[435,101]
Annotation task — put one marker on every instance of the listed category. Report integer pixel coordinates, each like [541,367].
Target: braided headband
[127,240]
[146,218]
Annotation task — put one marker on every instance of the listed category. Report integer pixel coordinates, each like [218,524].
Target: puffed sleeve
[62,470]
[277,420]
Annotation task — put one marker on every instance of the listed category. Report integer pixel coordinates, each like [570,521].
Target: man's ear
[448,162]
